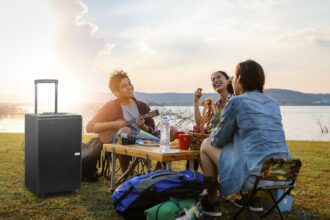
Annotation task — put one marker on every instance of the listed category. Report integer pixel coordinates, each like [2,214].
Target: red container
[177,134]
[184,141]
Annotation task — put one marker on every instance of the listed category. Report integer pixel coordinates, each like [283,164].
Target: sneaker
[204,193]
[255,205]
[211,210]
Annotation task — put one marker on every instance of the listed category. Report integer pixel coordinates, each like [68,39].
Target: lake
[299,122]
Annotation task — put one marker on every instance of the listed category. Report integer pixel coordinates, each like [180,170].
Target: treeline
[7,110]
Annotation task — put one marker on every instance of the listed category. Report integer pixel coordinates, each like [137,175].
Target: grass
[93,200]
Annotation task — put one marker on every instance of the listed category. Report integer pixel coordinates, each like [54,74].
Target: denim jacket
[250,131]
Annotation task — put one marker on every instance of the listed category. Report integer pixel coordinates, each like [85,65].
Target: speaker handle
[36,82]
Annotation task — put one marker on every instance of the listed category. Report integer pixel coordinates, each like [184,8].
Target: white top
[129,113]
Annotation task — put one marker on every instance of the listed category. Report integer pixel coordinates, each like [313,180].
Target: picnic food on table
[197,139]
[174,144]
[150,142]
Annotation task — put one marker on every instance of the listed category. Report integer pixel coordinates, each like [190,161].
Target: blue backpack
[142,192]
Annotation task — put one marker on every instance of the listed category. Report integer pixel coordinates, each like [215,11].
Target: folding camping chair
[276,173]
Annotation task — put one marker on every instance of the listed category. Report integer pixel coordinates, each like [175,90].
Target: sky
[164,45]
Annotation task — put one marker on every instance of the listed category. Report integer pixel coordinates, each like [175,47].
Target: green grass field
[93,200]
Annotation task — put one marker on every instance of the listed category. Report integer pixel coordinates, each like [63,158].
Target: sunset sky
[165,46]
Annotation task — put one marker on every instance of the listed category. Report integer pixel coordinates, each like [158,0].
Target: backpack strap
[163,173]
[148,182]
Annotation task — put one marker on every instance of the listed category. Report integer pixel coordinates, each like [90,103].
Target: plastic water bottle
[165,134]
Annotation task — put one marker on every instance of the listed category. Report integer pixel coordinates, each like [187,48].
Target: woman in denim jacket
[250,131]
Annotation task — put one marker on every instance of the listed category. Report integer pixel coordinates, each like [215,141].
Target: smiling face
[219,82]
[125,89]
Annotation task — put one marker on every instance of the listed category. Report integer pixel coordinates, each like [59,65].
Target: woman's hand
[198,95]
[197,113]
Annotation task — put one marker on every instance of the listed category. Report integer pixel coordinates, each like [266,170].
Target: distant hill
[289,97]
[283,96]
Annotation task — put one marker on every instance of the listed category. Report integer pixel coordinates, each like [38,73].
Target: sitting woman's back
[250,131]
[260,123]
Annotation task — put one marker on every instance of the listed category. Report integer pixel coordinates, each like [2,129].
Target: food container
[196,140]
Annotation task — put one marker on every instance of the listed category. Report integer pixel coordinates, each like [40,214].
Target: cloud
[304,37]
[257,4]
[76,42]
[164,45]
[190,39]
[325,42]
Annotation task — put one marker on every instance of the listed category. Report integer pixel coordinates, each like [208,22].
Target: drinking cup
[184,141]
[177,133]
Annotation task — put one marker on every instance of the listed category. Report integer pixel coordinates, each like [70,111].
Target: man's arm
[100,122]
[98,127]
[148,124]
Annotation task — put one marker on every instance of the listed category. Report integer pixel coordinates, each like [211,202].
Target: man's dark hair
[252,76]
[115,79]
[230,88]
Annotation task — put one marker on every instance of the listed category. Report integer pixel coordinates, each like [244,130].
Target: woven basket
[196,140]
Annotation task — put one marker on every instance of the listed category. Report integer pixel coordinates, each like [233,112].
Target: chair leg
[239,212]
[247,199]
[275,205]
[241,209]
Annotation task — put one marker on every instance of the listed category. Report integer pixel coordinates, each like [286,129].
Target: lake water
[299,122]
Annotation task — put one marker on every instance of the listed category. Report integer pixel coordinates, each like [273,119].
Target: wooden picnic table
[149,153]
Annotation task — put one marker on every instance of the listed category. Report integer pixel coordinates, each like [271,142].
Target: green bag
[169,209]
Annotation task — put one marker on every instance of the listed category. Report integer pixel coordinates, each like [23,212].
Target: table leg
[113,171]
[191,164]
[168,165]
[128,172]
[148,165]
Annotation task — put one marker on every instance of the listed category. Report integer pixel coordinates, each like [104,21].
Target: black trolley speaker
[52,149]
